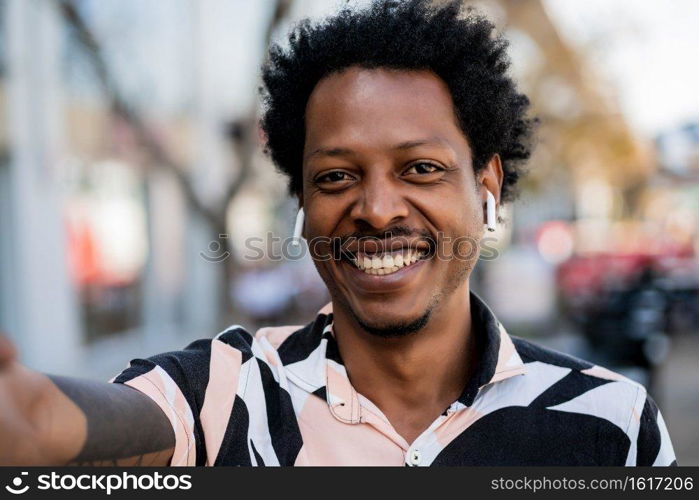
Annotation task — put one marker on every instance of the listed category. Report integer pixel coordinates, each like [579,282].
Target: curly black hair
[412,35]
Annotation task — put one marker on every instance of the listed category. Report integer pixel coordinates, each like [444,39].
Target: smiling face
[384,157]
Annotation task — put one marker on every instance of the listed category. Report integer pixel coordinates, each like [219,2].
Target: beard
[404,328]
[396,329]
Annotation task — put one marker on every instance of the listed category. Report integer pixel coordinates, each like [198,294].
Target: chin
[394,327]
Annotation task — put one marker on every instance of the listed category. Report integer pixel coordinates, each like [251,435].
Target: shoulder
[562,382]
[189,368]
[532,352]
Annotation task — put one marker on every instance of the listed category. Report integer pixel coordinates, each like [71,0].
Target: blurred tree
[242,133]
[583,128]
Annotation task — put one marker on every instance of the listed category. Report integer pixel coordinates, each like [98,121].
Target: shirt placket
[371,414]
[350,407]
[419,453]
[425,447]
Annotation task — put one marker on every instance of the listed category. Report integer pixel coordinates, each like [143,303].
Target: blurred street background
[134,195]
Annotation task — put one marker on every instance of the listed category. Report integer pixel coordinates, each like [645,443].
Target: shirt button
[415,457]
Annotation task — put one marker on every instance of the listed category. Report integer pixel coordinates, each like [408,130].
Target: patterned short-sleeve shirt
[283,397]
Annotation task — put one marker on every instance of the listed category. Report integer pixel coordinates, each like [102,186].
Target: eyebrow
[334,152]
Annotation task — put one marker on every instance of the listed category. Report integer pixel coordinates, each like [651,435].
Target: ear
[490,178]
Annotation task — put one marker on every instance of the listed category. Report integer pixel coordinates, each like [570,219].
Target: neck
[428,369]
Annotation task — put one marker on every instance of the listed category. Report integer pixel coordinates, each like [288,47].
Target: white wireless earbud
[298,228]
[490,219]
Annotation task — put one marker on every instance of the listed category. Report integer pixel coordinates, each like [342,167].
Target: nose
[380,203]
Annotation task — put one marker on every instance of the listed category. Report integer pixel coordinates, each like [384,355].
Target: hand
[19,390]
[8,353]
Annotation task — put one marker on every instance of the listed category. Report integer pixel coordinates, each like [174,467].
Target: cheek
[326,219]
[460,235]
[320,223]
[316,220]
[466,249]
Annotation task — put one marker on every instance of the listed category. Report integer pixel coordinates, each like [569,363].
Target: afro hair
[461,48]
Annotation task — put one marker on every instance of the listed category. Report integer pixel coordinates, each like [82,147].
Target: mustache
[340,244]
[395,231]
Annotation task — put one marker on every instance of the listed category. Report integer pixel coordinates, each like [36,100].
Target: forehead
[373,106]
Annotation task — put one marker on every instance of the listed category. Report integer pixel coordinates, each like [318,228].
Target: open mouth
[388,262]
[386,258]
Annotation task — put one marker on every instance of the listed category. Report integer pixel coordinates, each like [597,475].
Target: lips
[385,265]
[393,281]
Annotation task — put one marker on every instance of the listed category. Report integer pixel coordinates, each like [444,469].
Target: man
[393,125]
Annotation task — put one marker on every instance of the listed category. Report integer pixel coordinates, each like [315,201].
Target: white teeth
[388,263]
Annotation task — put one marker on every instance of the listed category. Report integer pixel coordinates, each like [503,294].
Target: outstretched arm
[54,420]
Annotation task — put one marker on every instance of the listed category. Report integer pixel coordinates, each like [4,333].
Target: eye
[333,177]
[423,168]
[336,179]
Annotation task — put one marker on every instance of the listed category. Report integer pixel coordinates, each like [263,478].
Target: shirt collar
[498,360]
